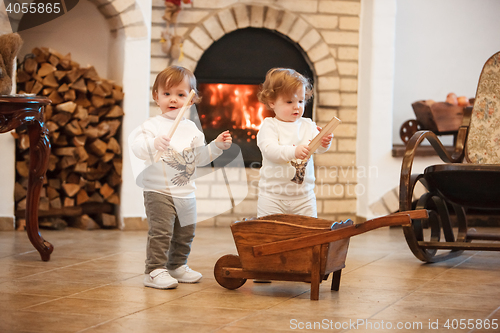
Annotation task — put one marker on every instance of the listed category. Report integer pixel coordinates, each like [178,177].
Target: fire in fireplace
[234,107]
[230,73]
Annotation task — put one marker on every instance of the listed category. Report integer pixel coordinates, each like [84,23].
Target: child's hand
[161,142]
[301,152]
[224,140]
[325,141]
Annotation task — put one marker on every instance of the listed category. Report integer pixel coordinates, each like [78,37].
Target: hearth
[230,73]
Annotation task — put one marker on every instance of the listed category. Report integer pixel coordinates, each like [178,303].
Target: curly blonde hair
[173,76]
[283,82]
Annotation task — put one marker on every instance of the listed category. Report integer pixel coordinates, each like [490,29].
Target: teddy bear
[10,44]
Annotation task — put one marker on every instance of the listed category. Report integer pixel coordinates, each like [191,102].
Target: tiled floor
[93,283]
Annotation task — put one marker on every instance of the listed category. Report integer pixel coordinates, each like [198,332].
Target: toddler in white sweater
[168,184]
[287,180]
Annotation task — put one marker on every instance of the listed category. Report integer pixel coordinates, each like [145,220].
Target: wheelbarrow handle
[396,219]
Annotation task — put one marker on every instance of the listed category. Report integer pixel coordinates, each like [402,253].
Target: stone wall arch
[123,14]
[292,25]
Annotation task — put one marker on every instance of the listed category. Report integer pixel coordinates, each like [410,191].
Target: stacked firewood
[83,123]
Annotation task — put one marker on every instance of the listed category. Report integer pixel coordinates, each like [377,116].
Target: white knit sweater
[277,141]
[174,174]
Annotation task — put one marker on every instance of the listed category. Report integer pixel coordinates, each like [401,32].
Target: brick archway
[123,14]
[328,34]
[292,25]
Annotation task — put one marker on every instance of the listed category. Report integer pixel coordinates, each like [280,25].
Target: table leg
[39,159]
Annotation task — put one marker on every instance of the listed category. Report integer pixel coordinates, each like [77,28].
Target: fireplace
[230,73]
[236,44]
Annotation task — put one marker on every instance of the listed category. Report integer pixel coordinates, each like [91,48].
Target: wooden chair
[469,179]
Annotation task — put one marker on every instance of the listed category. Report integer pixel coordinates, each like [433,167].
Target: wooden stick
[327,130]
[177,121]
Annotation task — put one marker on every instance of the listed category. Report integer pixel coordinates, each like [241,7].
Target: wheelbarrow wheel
[228,261]
[407,130]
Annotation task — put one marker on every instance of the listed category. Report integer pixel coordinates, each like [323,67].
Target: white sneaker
[160,279]
[185,274]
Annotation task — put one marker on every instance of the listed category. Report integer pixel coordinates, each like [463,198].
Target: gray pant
[169,243]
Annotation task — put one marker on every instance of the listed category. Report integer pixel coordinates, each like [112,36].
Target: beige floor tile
[470,275]
[32,259]
[458,287]
[125,256]
[75,306]
[15,271]
[365,280]
[11,302]
[407,270]
[232,299]
[327,308]
[191,314]
[451,301]
[19,321]
[45,288]
[76,275]
[355,294]
[111,265]
[136,325]
[140,295]
[94,283]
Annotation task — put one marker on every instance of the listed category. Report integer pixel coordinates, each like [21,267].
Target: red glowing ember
[231,106]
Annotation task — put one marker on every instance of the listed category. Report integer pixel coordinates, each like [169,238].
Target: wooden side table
[28,110]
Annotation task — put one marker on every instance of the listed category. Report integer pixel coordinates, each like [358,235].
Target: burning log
[83,123]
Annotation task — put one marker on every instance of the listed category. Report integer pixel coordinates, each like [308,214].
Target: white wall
[136,78]
[441,46]
[85,33]
[81,29]
[412,50]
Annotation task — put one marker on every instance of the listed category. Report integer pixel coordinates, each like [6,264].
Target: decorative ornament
[171,43]
[175,50]
[166,41]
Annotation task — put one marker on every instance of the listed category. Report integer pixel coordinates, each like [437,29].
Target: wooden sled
[295,248]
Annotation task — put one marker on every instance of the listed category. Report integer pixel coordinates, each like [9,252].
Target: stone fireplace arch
[326,47]
[292,25]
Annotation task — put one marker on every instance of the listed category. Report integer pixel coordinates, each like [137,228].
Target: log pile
[84,123]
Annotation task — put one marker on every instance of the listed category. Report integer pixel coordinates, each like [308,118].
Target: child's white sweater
[277,141]
[174,174]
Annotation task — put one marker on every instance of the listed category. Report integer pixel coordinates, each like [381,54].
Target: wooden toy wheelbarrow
[295,248]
